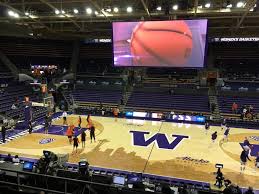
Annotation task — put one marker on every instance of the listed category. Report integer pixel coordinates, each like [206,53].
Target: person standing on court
[214,136]
[75,143]
[226,133]
[79,122]
[3,131]
[83,137]
[46,128]
[69,134]
[116,113]
[89,122]
[207,127]
[64,115]
[257,161]
[30,127]
[223,124]
[92,133]
[243,159]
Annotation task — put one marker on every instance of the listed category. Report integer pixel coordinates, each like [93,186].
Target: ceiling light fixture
[57,12]
[129,9]
[89,11]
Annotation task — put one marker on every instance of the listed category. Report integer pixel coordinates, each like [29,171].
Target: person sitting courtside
[16,159]
[8,158]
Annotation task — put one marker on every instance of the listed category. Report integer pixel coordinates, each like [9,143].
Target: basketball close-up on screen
[178,43]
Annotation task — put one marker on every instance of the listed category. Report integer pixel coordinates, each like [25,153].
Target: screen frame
[204,65]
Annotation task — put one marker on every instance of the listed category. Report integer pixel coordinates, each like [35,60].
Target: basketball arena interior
[129,96]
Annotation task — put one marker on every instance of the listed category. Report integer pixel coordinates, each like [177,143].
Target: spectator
[232,189]
[16,159]
[8,158]
[234,107]
[244,111]
[166,189]
[3,131]
[249,191]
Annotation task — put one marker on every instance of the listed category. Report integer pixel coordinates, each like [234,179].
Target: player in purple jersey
[226,133]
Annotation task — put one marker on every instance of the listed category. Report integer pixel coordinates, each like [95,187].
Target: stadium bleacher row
[167,101]
[15,94]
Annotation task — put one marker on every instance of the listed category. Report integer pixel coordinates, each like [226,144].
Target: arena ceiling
[93,18]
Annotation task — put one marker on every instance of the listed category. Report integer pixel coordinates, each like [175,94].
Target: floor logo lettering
[160,138]
[46,140]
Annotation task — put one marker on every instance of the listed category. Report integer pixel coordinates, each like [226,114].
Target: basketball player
[83,137]
[3,131]
[116,113]
[226,133]
[89,122]
[75,143]
[79,122]
[257,161]
[214,136]
[223,124]
[243,159]
[64,115]
[247,146]
[92,133]
[207,127]
[69,134]
[46,128]
[50,118]
[30,127]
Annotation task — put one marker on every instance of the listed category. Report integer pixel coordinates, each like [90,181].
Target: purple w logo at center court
[160,139]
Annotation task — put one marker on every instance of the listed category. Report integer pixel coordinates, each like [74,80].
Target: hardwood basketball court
[180,150]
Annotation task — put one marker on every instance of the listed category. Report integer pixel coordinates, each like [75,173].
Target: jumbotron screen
[176,43]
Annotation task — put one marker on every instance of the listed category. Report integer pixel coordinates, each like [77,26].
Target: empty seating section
[165,101]
[3,68]
[9,97]
[242,76]
[235,50]
[97,96]
[91,51]
[174,73]
[96,59]
[5,73]
[68,96]
[39,112]
[225,103]
[23,52]
[251,86]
